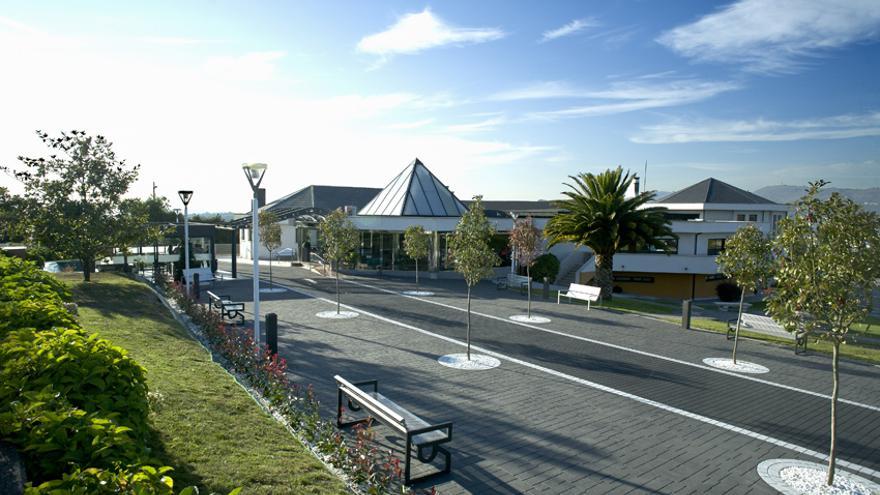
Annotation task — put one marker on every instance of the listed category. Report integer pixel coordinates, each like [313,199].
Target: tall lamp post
[254,173]
[185,196]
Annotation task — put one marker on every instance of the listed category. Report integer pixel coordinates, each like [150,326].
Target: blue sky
[498,98]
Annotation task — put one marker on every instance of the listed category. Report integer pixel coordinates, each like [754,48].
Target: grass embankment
[206,426]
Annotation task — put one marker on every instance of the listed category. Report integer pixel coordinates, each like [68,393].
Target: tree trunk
[832,452]
[87,269]
[270,269]
[604,275]
[529,292]
[469,324]
[417,272]
[739,317]
[337,287]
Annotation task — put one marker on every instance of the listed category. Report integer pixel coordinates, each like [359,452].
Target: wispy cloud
[416,124]
[620,97]
[569,29]
[254,66]
[413,33]
[487,124]
[775,36]
[174,40]
[835,127]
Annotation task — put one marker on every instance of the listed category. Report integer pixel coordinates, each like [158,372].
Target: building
[703,217]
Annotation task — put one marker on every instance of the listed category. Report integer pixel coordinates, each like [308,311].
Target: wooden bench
[425,438]
[587,293]
[765,325]
[512,280]
[227,307]
[205,275]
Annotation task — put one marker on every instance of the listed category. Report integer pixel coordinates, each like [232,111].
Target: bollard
[272,332]
[686,314]
[546,294]
[195,286]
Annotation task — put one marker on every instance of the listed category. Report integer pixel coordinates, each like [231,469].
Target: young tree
[746,259]
[826,269]
[78,195]
[270,235]
[415,244]
[471,254]
[525,240]
[339,239]
[598,215]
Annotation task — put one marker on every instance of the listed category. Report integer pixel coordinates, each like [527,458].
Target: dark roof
[415,192]
[714,191]
[327,198]
[538,208]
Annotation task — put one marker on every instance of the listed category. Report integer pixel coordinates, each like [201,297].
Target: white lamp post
[185,196]
[254,173]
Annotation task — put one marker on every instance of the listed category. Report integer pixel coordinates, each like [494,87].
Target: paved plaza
[593,402]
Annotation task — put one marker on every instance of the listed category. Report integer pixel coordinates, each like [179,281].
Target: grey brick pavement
[528,432]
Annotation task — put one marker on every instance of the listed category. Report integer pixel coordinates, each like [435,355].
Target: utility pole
[154,189]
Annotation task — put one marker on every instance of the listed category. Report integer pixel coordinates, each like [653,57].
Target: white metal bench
[228,308]
[587,293]
[205,275]
[425,438]
[767,326]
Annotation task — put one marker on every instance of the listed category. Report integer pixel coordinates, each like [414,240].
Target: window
[746,217]
[672,242]
[715,246]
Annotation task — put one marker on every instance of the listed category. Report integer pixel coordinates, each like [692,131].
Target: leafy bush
[546,265]
[34,313]
[20,279]
[90,373]
[55,436]
[728,292]
[139,480]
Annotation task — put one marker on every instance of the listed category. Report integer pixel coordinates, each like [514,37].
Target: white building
[703,217]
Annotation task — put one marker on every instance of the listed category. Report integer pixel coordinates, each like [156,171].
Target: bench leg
[447,465]
[730,331]
[339,422]
[588,304]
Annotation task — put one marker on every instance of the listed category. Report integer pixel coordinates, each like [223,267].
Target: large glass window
[651,249]
[716,246]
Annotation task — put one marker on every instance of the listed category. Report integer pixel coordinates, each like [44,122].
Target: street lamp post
[254,173]
[185,196]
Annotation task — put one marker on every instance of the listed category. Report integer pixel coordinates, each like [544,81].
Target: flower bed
[368,469]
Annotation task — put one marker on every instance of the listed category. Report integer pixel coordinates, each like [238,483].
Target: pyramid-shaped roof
[415,192]
[714,191]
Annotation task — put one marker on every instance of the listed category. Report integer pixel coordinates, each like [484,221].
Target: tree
[415,244]
[598,215]
[77,193]
[471,254]
[270,235]
[746,259]
[826,269]
[525,240]
[339,240]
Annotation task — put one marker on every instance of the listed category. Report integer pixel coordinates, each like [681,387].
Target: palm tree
[598,215]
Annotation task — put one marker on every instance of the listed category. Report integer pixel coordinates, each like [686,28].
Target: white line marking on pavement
[659,405]
[622,348]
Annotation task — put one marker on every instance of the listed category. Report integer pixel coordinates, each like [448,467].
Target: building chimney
[633,189]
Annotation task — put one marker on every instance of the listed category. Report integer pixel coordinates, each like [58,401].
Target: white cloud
[190,128]
[174,40]
[569,29]
[620,97]
[835,127]
[775,36]
[413,33]
[487,124]
[416,124]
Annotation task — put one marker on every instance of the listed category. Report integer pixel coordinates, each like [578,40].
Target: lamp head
[254,173]
[185,196]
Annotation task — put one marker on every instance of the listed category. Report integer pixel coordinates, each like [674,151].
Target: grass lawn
[206,426]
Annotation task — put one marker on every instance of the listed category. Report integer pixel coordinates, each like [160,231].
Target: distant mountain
[868,198]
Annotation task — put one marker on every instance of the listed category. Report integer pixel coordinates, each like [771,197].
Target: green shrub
[546,265]
[88,372]
[55,437]
[20,279]
[139,480]
[34,313]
